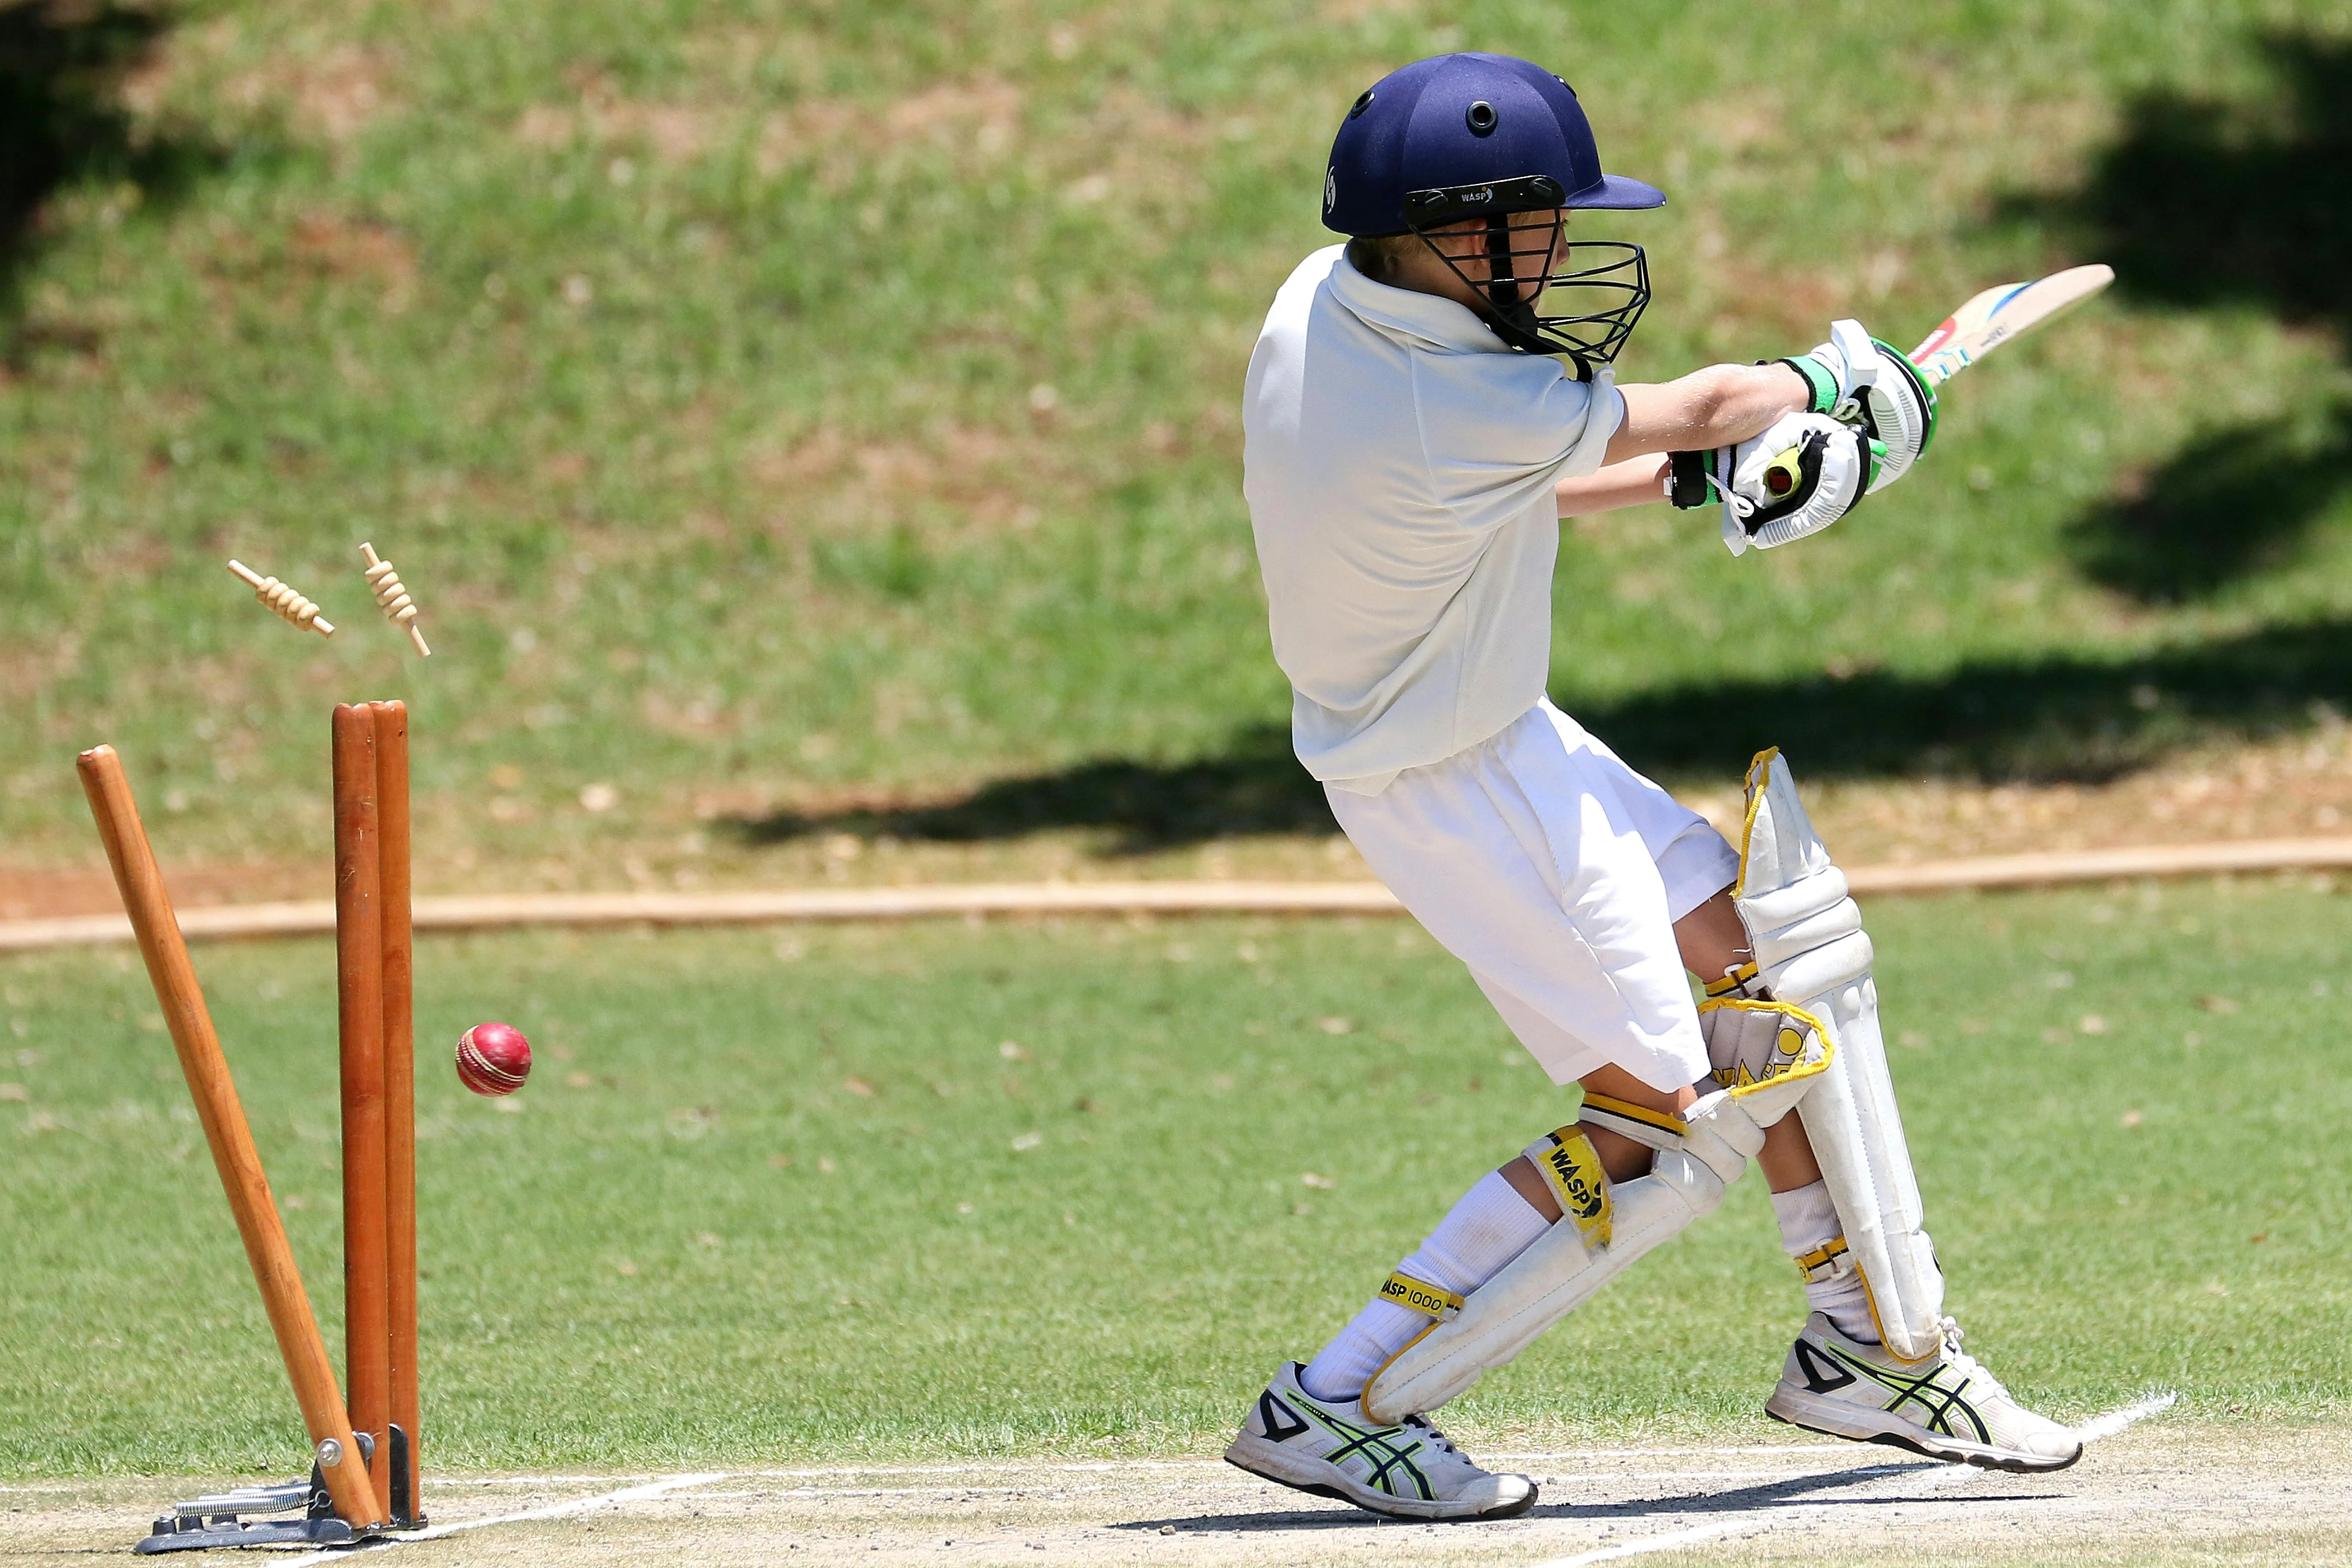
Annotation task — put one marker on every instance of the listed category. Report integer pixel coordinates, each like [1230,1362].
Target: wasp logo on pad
[1573,1167]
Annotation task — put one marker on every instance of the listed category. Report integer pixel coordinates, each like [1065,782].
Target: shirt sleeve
[1604,412]
[1501,430]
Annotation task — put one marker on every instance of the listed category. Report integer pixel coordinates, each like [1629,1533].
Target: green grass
[766,399]
[624,1274]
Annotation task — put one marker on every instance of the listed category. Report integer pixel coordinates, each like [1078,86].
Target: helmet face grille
[1518,262]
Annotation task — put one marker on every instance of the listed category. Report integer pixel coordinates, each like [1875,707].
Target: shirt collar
[1410,316]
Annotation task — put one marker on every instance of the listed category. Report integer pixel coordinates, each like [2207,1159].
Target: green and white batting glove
[1799,476]
[1857,378]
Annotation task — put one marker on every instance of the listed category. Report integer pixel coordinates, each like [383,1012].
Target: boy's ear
[1377,260]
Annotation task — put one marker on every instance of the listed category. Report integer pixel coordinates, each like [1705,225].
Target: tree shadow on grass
[2207,203]
[2058,717]
[1255,786]
[63,120]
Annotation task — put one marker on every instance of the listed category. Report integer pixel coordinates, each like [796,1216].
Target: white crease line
[1069,1489]
[441,1481]
[2115,1421]
[992,1468]
[1053,1466]
[1826,1446]
[2090,1431]
[1047,1467]
[555,1511]
[1043,1466]
[788,1494]
[1668,1542]
[1056,1490]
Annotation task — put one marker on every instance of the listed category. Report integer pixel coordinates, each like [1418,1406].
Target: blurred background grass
[784,412]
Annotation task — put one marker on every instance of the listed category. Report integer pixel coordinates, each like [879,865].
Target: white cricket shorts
[1555,872]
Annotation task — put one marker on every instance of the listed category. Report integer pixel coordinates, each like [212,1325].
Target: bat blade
[2006,310]
[1968,317]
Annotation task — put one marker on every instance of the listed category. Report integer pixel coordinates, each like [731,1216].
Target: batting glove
[1857,378]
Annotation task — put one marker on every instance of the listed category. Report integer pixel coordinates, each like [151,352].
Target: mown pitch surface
[2155,1497]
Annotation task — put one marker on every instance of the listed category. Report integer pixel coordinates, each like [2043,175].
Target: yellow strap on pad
[1741,982]
[1831,1260]
[1420,1296]
[1659,1130]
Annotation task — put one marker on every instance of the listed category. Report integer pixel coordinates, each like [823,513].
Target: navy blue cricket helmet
[1456,137]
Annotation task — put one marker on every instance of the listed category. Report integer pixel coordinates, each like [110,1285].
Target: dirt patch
[330,247]
[981,115]
[2152,1495]
[981,479]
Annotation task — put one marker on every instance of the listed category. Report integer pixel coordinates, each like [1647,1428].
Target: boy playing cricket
[1415,429]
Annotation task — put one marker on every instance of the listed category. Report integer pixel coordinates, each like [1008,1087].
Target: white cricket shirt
[1399,461]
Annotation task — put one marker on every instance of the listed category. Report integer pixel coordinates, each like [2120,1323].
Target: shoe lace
[1978,1375]
[1430,1435]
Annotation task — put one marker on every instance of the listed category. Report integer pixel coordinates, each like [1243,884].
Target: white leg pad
[1812,951]
[1562,1271]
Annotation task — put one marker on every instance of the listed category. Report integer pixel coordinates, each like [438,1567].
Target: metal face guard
[1527,258]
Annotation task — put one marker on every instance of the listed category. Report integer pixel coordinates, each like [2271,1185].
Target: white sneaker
[1951,1409]
[1407,1471]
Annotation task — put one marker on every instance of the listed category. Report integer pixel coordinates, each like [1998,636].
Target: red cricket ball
[493,1058]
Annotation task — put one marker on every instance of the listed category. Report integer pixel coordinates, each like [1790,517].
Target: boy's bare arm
[1718,406]
[1630,483]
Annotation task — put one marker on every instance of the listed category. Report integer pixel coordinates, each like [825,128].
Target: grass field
[790,1195]
[774,404]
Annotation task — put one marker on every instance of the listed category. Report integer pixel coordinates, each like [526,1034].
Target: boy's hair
[1381,256]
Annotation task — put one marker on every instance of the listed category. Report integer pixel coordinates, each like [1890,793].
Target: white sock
[1491,1226]
[1807,1222]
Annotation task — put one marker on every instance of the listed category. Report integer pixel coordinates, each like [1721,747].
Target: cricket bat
[1987,319]
[1999,314]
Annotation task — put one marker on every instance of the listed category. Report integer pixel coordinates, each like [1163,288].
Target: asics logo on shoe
[1389,1462]
[1820,1379]
[1404,1470]
[1280,1421]
[1940,1409]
